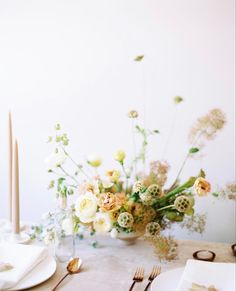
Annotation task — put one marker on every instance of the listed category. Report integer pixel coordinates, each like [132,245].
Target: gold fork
[155,272]
[138,277]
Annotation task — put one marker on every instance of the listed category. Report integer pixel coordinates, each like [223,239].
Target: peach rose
[202,187]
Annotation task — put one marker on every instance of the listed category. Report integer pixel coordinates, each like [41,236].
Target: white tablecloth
[110,266]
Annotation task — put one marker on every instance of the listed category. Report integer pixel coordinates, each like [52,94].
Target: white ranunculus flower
[114,233]
[55,159]
[67,226]
[102,222]
[46,215]
[86,207]
[48,236]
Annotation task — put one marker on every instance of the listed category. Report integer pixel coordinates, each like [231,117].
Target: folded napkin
[22,258]
[221,275]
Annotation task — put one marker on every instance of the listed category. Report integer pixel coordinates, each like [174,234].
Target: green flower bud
[120,156]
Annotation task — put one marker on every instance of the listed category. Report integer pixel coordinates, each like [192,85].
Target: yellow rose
[120,156]
[202,187]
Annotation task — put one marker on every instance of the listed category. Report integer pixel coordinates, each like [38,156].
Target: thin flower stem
[64,176]
[187,157]
[77,166]
[134,148]
[68,175]
[144,95]
[168,140]
[126,178]
[181,168]
[165,207]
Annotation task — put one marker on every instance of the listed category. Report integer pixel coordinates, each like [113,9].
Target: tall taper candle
[16,194]
[10,166]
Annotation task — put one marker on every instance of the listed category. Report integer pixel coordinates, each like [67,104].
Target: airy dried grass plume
[166,248]
[195,223]
[208,125]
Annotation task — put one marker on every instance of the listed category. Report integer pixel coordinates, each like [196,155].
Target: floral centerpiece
[131,199]
[125,201]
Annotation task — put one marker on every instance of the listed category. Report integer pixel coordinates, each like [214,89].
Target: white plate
[167,281]
[43,271]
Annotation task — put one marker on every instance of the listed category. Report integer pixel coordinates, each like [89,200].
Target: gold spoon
[73,267]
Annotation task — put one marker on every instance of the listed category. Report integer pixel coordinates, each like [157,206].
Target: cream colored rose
[102,222]
[120,156]
[94,160]
[86,207]
[202,187]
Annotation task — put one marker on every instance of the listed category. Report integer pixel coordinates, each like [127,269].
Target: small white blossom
[114,233]
[102,222]
[55,159]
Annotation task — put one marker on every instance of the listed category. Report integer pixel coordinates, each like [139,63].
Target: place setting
[197,276]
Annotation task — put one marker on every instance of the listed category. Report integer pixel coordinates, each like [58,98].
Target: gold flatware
[138,277]
[155,272]
[73,267]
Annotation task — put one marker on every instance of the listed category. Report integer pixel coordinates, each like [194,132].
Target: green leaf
[134,197]
[215,194]
[202,174]
[58,126]
[139,58]
[71,192]
[58,138]
[51,184]
[178,99]
[60,181]
[49,138]
[156,131]
[193,150]
[179,189]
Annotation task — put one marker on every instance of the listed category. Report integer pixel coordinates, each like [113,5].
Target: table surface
[112,264]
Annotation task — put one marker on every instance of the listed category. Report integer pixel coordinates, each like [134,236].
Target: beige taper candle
[16,194]
[10,166]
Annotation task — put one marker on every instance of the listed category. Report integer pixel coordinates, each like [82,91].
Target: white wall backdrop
[71,61]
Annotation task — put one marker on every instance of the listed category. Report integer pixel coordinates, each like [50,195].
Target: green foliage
[145,134]
[58,126]
[202,173]
[215,194]
[193,150]
[139,58]
[134,197]
[178,99]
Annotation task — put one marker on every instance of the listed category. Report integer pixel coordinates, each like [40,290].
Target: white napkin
[221,275]
[23,258]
